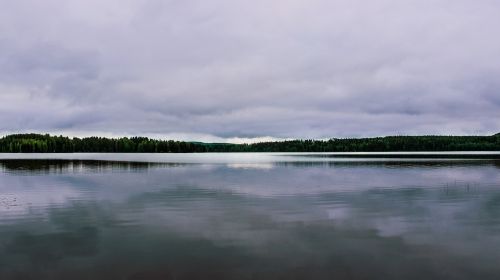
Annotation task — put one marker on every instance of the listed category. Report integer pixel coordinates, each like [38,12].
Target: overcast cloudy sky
[219,69]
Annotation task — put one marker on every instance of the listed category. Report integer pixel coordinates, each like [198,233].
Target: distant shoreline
[45,143]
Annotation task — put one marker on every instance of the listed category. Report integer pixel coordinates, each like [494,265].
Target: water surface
[248,216]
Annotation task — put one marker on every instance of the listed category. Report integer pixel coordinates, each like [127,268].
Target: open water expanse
[250,216]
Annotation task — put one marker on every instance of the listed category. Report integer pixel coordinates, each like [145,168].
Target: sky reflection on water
[78,219]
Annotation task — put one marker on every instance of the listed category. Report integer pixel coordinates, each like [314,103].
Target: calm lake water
[249,216]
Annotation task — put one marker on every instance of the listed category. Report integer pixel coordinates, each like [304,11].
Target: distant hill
[45,143]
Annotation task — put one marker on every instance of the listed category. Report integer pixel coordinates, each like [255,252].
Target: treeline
[378,144]
[37,143]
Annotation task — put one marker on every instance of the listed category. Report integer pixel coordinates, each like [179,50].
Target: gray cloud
[221,69]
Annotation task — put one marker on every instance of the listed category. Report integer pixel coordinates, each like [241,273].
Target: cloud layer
[213,70]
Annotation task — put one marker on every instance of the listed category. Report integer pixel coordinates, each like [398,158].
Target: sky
[244,71]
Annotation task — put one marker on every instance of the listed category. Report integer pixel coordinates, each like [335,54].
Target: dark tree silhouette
[38,143]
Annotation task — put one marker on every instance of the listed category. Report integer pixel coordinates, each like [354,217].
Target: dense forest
[38,143]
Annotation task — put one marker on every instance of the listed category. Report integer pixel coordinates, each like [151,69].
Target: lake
[250,216]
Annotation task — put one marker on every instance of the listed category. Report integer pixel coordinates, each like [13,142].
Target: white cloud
[241,70]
